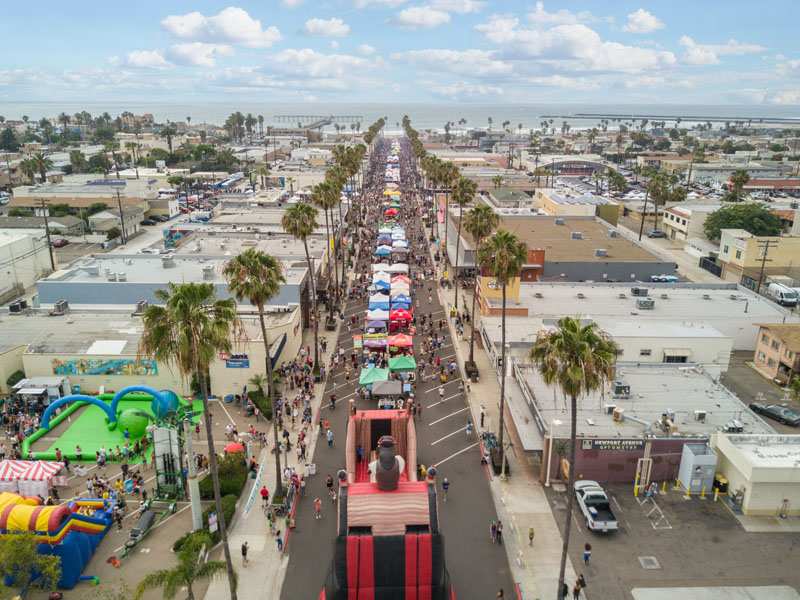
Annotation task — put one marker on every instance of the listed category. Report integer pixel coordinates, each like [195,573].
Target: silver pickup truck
[595,506]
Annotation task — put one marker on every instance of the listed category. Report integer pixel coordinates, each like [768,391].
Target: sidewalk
[520,500]
[264,574]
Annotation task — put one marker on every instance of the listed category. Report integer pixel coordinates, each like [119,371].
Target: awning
[378,314]
[677,351]
[400,315]
[387,388]
[401,340]
[386,267]
[402,363]
[373,375]
[32,391]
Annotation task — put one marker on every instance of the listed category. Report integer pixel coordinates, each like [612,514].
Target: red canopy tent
[234,447]
[401,340]
[400,314]
[399,278]
[391,212]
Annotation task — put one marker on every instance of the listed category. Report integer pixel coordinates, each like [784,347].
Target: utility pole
[192,481]
[765,246]
[122,217]
[47,233]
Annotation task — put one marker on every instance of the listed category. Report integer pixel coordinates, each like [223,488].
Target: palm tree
[448,176]
[300,221]
[190,569]
[497,181]
[579,359]
[64,119]
[28,169]
[168,132]
[188,329]
[502,256]
[480,222]
[42,165]
[463,194]
[77,161]
[257,277]
[323,196]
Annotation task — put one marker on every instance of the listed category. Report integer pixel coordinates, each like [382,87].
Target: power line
[765,246]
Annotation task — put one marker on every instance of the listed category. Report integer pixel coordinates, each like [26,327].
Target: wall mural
[105,366]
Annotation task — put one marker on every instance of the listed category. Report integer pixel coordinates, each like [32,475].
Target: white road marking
[432,423]
[227,414]
[443,401]
[444,460]
[441,439]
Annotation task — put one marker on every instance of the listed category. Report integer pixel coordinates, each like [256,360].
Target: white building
[24,257]
[684,222]
[763,472]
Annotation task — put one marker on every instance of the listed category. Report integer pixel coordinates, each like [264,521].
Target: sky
[429,51]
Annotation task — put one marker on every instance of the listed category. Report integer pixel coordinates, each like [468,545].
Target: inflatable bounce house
[389,545]
[70,531]
[122,417]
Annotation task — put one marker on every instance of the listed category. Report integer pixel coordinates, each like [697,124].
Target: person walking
[264,496]
[531,534]
[245,547]
[576,590]
[445,487]
[441,393]
[329,437]
[279,541]
[468,428]
[493,531]
[317,508]
[587,553]
[499,531]
[483,416]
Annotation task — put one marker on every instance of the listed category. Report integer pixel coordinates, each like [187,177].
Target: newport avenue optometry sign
[612,444]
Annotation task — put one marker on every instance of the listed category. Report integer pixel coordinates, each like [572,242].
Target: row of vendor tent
[383,302]
[387,268]
[398,364]
[381,314]
[30,477]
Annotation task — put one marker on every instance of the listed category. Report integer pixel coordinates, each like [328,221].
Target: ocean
[423,116]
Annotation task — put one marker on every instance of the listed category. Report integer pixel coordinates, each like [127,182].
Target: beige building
[685,222]
[562,203]
[24,258]
[761,470]
[741,251]
[777,354]
[82,191]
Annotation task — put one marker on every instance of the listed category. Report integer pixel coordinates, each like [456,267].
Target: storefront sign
[612,444]
[237,361]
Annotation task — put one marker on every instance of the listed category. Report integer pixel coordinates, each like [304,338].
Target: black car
[782,414]
[147,222]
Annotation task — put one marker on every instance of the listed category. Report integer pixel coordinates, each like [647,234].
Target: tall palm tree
[42,165]
[502,256]
[257,277]
[579,359]
[189,570]
[188,328]
[300,221]
[463,194]
[480,222]
[448,176]
[168,132]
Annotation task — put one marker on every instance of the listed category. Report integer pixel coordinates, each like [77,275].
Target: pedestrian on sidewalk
[483,416]
[576,590]
[264,495]
[317,508]
[244,554]
[499,532]
[493,531]
[531,534]
[587,553]
[279,540]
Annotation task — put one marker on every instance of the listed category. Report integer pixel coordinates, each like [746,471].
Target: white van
[785,296]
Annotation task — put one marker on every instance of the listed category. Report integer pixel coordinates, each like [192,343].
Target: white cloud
[708,54]
[651,81]
[291,3]
[786,97]
[333,27]
[466,90]
[311,63]
[642,21]
[366,50]
[560,81]
[232,25]
[540,16]
[458,6]
[334,44]
[378,3]
[477,63]
[421,17]
[199,53]
[574,47]
[146,59]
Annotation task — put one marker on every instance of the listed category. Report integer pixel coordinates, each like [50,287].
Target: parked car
[656,233]
[147,222]
[664,278]
[60,243]
[776,412]
[594,505]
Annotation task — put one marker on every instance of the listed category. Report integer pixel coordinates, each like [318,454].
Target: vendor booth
[30,477]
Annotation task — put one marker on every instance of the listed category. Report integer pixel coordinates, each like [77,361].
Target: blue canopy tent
[383,251]
[382,285]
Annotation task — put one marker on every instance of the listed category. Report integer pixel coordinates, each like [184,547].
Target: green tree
[168,132]
[42,165]
[300,221]
[99,163]
[502,257]
[480,222]
[257,277]
[497,181]
[113,233]
[8,141]
[752,217]
[188,329]
[190,569]
[794,388]
[77,160]
[738,180]
[578,359]
[463,193]
[28,168]
[23,568]
[322,195]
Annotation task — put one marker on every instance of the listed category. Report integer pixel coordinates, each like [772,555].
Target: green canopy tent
[402,363]
[373,375]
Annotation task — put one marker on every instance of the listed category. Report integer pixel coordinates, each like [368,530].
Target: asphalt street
[478,568]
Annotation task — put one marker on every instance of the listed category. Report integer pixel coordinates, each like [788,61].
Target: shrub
[15,378]
[264,405]
[228,509]
[232,478]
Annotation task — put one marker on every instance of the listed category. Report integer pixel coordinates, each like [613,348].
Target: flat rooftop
[79,331]
[655,390]
[772,451]
[560,197]
[143,268]
[284,247]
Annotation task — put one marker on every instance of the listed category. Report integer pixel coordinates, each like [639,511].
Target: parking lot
[73,251]
[673,542]
[744,381]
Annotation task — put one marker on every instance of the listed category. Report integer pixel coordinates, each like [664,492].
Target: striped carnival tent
[28,477]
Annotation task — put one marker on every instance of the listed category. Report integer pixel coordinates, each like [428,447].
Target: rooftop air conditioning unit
[610,408]
[167,261]
[141,306]
[111,276]
[664,296]
[15,308]
[620,389]
[734,426]
[622,295]
[645,303]
[601,252]
[559,221]
[639,291]
[122,276]
[576,235]
[538,295]
[618,414]
[700,416]
[581,296]
[60,308]
[706,297]
[93,270]
[208,273]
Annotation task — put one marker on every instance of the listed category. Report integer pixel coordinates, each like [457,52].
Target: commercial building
[66,225]
[639,342]
[762,472]
[23,259]
[685,222]
[741,251]
[119,279]
[718,173]
[777,353]
[98,350]
[106,220]
[82,191]
[566,203]
[649,411]
[736,312]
